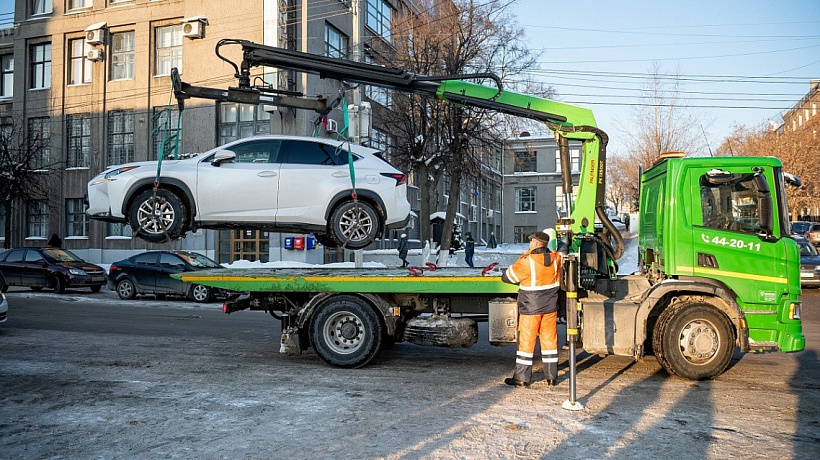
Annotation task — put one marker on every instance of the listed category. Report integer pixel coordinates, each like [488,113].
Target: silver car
[4,308]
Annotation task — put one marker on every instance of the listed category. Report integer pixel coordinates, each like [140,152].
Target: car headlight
[77,271]
[111,175]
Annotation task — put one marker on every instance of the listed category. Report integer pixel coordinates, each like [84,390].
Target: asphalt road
[89,376]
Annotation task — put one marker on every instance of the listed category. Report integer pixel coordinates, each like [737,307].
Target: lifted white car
[270,182]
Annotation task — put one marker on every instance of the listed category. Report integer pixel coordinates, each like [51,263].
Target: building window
[120,137]
[336,43]
[380,140]
[114,229]
[813,108]
[79,68]
[525,161]
[165,130]
[522,234]
[78,4]
[78,139]
[168,49]
[379,17]
[251,245]
[559,197]
[122,55]
[40,6]
[40,66]
[76,220]
[7,75]
[574,160]
[525,199]
[39,140]
[37,219]
[237,121]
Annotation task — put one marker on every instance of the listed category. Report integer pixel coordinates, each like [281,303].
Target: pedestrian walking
[536,273]
[492,243]
[403,250]
[469,248]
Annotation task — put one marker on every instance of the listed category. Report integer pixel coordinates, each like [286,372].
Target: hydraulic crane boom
[567,121]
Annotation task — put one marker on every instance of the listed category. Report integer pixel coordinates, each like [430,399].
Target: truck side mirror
[764,204]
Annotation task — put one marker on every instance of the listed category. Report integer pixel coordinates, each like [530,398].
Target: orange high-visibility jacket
[536,273]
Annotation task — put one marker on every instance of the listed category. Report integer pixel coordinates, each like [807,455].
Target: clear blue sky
[742,62]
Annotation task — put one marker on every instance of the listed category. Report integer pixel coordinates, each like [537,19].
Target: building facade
[91,79]
[533,194]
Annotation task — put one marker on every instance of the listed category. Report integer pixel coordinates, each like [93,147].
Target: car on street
[809,263]
[4,308]
[52,268]
[813,233]
[268,182]
[150,273]
[800,227]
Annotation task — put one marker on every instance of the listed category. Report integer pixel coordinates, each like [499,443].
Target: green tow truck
[718,270]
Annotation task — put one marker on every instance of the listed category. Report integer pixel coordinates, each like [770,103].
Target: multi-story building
[805,114]
[91,78]
[533,194]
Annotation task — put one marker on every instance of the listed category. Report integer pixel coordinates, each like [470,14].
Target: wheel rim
[699,341]
[125,289]
[155,215]
[344,333]
[355,224]
[200,293]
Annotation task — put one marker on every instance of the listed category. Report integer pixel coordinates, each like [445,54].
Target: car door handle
[341,174]
[266,173]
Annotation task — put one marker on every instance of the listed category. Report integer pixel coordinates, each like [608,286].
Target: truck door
[727,241]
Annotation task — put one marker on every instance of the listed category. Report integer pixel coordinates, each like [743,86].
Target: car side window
[146,259]
[170,260]
[33,256]
[313,153]
[16,256]
[258,151]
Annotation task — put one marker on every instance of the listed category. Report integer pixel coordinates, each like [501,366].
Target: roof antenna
[707,140]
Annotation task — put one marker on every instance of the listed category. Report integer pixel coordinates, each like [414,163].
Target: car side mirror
[222,156]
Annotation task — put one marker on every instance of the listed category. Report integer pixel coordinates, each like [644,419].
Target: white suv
[277,183]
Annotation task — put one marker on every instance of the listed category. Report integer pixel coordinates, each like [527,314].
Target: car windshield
[807,249]
[61,255]
[198,260]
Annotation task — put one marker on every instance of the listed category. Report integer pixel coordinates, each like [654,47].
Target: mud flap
[290,342]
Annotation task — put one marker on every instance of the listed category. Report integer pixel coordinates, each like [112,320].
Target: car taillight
[113,268]
[400,178]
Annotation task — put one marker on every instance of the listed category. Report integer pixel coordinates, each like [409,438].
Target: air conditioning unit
[95,55]
[194,27]
[95,36]
[490,213]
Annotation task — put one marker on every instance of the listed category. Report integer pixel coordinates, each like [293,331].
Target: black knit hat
[541,236]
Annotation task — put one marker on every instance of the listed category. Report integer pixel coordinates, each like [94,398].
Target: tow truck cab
[722,224]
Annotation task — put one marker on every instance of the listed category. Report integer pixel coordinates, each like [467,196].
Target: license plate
[807,275]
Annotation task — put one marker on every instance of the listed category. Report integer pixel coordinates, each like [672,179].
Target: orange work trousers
[530,328]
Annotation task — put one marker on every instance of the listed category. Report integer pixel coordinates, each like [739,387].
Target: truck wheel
[346,332]
[693,340]
[126,289]
[354,225]
[158,218]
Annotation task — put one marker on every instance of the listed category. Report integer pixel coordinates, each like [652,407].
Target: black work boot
[516,383]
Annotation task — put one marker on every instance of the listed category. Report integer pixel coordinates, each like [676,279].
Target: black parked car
[150,273]
[52,268]
[809,263]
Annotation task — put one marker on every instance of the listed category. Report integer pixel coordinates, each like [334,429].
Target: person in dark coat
[54,241]
[469,249]
[403,250]
[492,244]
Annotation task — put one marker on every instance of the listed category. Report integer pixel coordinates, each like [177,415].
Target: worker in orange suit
[536,273]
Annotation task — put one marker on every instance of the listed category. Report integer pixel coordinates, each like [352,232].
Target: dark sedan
[150,273]
[809,263]
[51,268]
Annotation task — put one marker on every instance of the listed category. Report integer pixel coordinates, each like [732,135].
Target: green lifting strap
[165,127]
[345,134]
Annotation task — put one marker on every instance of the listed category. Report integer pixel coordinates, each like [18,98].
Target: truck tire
[346,332]
[158,218]
[694,340]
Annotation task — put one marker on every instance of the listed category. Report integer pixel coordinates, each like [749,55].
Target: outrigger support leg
[572,328]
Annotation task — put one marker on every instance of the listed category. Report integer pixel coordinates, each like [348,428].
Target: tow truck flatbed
[455,280]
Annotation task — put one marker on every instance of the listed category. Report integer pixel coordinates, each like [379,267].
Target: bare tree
[451,38]
[24,172]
